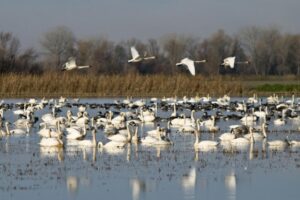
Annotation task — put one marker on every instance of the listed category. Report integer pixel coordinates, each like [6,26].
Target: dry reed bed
[90,85]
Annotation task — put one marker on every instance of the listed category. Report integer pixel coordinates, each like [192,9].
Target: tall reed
[91,85]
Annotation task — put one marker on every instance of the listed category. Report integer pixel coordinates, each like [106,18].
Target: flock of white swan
[119,123]
[137,58]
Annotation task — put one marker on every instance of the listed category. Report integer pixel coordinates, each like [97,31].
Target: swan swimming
[203,144]
[51,142]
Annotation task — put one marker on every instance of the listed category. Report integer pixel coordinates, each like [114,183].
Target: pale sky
[143,19]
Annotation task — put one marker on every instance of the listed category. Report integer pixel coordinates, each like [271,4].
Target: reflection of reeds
[90,85]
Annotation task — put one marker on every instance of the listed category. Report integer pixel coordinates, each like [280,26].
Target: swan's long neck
[197,133]
[110,116]
[7,129]
[128,134]
[174,111]
[135,137]
[192,116]
[168,125]
[199,61]
[94,138]
[58,128]
[27,127]
[53,110]
[82,67]
[69,117]
[242,62]
[149,58]
[197,137]
[142,115]
[158,131]
[251,135]
[92,121]
[264,131]
[266,110]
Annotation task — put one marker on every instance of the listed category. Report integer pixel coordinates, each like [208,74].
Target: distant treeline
[269,51]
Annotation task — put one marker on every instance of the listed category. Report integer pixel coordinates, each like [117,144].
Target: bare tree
[292,59]
[174,47]
[59,45]
[214,49]
[265,48]
[9,49]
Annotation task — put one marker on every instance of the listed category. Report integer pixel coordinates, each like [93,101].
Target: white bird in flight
[190,64]
[230,62]
[136,56]
[71,64]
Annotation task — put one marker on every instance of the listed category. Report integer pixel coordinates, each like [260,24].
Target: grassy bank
[89,85]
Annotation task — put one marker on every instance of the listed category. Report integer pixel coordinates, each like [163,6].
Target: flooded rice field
[170,166]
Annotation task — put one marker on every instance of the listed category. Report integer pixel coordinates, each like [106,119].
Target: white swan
[203,144]
[276,144]
[230,62]
[75,134]
[89,143]
[147,116]
[158,139]
[293,143]
[136,56]
[190,64]
[51,142]
[227,136]
[111,146]
[17,131]
[71,64]
[135,138]
[242,141]
[189,127]
[174,113]
[20,111]
[280,121]
[210,124]
[118,119]
[257,136]
[179,121]
[120,137]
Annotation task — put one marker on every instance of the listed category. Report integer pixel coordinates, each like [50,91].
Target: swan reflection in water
[138,186]
[89,150]
[72,184]
[230,184]
[188,182]
[51,152]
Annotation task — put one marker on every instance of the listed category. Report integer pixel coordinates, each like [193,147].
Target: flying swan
[190,64]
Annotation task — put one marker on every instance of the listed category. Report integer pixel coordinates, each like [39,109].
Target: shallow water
[141,172]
